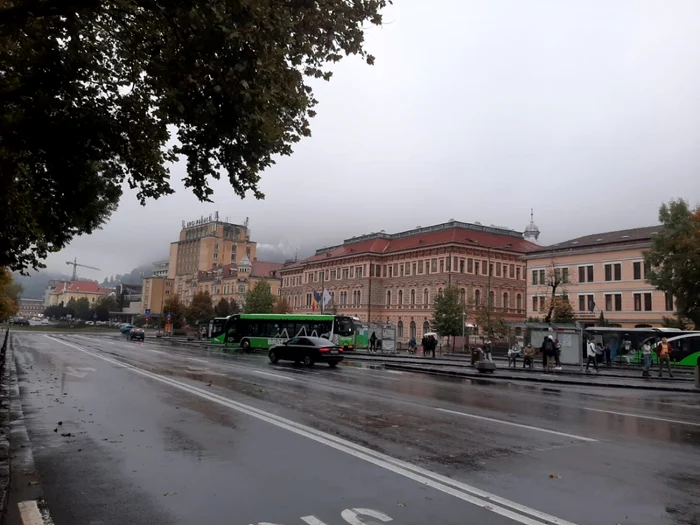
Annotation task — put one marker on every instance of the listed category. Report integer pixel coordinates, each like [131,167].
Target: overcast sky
[476,110]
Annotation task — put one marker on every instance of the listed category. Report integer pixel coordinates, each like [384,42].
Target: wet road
[155,434]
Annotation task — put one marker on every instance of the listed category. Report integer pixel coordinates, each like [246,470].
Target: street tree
[56,312]
[222,308]
[259,300]
[82,308]
[483,317]
[71,307]
[234,307]
[448,314]
[200,309]
[282,306]
[10,293]
[104,306]
[675,321]
[674,259]
[560,310]
[555,280]
[97,95]
[176,309]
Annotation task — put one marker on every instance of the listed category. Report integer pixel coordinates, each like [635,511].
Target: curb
[496,377]
[5,356]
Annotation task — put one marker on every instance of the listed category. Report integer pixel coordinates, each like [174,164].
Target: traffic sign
[147,312]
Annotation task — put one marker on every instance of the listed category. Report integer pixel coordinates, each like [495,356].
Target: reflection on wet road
[157,434]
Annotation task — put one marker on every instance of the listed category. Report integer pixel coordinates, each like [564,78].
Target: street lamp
[489,303]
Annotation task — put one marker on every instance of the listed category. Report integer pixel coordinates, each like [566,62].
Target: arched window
[491,299]
[359,296]
[519,302]
[463,295]
[426,327]
[477,297]
[388,297]
[439,292]
[426,296]
[505,300]
[413,297]
[412,328]
[400,296]
[399,329]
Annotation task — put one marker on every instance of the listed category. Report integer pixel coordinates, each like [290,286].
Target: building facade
[604,272]
[395,278]
[155,291]
[65,291]
[160,268]
[29,308]
[232,281]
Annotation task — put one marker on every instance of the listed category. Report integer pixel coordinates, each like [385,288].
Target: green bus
[261,331]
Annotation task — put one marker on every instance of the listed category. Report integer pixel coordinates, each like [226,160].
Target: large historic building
[603,272]
[383,277]
[63,292]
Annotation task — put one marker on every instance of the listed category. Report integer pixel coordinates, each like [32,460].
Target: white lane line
[30,514]
[198,360]
[485,500]
[273,375]
[519,425]
[640,416]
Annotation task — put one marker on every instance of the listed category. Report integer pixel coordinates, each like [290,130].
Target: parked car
[125,328]
[20,322]
[307,350]
[136,333]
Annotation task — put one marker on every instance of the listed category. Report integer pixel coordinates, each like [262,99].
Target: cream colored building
[155,291]
[65,291]
[383,277]
[603,272]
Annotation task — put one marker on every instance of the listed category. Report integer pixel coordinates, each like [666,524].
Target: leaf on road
[554,476]
[170,494]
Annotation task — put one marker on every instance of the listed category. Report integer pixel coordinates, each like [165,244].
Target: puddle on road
[362,364]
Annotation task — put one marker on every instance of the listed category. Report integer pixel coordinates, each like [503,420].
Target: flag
[591,305]
[326,297]
[315,300]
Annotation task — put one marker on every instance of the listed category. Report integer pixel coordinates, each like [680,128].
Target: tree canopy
[259,300]
[222,308]
[200,309]
[282,306]
[176,309]
[10,293]
[448,313]
[91,91]
[559,310]
[674,259]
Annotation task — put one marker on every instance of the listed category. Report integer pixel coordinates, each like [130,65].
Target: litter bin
[697,373]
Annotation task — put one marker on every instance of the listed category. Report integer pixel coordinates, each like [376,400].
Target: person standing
[607,351]
[592,353]
[373,342]
[412,345]
[665,357]
[646,355]
[529,358]
[513,354]
[487,350]
[557,347]
[433,345]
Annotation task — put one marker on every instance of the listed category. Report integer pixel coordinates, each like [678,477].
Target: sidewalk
[683,380]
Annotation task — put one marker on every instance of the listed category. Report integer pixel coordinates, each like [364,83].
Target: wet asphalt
[127,432]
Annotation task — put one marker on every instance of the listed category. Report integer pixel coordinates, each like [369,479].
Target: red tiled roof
[81,286]
[265,269]
[454,235]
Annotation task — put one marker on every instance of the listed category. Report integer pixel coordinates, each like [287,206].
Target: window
[586,303]
[505,300]
[346,272]
[413,297]
[371,270]
[490,268]
[388,297]
[412,329]
[358,272]
[512,271]
[647,302]
[534,303]
[378,271]
[399,329]
[476,267]
[433,265]
[542,301]
[241,288]
[401,269]
[400,296]
[420,267]
[517,273]
[477,297]
[426,296]
[385,270]
[498,270]
[491,299]
[414,268]
[613,302]
[396,269]
[542,279]
[642,302]
[408,268]
[448,264]
[463,295]
[668,300]
[391,271]
[426,327]
[470,266]
[439,292]
[585,274]
[461,266]
[535,277]
[564,275]
[519,301]
[637,270]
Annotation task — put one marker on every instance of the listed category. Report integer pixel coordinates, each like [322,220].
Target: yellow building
[155,291]
[65,291]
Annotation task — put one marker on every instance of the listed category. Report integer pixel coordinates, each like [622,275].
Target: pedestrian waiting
[592,353]
[529,356]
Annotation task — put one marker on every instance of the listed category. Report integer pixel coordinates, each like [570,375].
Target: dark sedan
[136,333]
[307,350]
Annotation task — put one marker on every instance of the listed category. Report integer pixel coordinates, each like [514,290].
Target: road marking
[198,360]
[31,515]
[640,416]
[519,425]
[485,500]
[350,515]
[273,375]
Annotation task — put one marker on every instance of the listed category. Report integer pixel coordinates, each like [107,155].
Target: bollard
[697,373]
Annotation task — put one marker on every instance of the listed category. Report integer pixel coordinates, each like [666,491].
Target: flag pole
[323,289]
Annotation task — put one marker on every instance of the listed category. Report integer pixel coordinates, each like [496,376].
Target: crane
[75,265]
